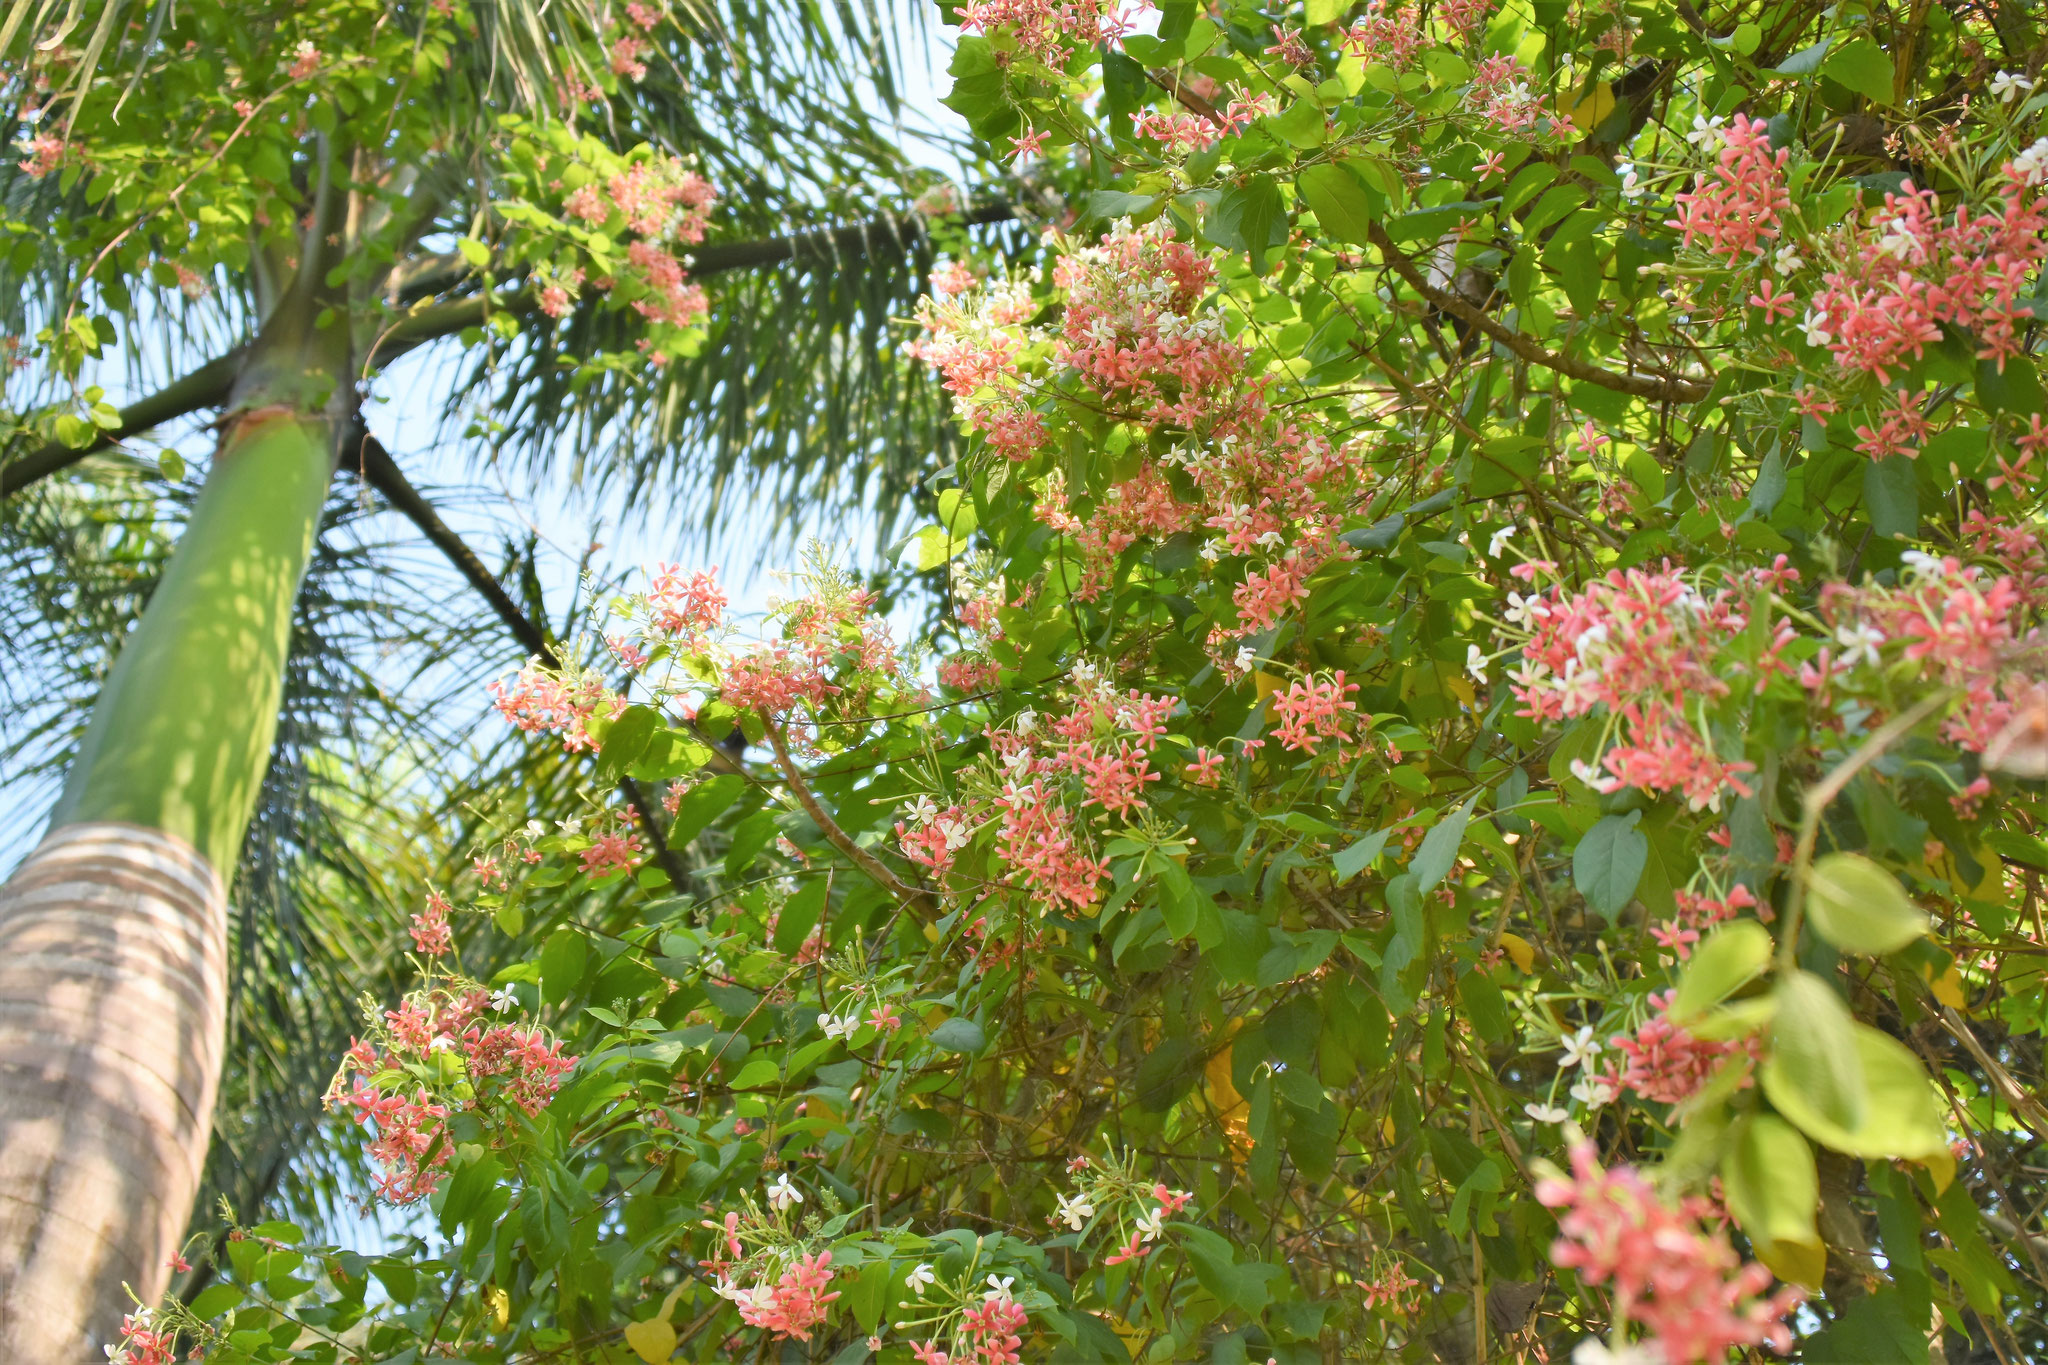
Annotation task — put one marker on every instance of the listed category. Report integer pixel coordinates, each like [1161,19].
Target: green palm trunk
[113,933]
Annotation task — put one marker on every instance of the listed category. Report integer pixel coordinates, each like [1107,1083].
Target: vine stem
[1822,794]
[837,837]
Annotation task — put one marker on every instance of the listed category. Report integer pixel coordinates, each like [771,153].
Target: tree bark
[113,970]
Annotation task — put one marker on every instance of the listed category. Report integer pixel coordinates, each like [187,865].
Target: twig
[837,837]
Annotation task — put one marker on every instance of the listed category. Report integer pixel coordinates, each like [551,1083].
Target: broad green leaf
[561,963]
[473,251]
[1805,61]
[1861,908]
[959,1034]
[625,739]
[1813,1050]
[1351,861]
[1773,1190]
[1438,853]
[1249,218]
[1862,66]
[1724,962]
[1891,494]
[1341,203]
[1902,1117]
[702,804]
[1609,862]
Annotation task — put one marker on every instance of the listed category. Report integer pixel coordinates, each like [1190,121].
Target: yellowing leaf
[1588,113]
[1267,683]
[654,1341]
[1521,951]
[1948,989]
[1941,1168]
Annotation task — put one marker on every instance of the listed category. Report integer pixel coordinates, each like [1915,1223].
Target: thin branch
[1642,386]
[381,472]
[205,387]
[837,837]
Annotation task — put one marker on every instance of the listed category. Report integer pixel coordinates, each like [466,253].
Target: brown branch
[1670,389]
[837,837]
[381,472]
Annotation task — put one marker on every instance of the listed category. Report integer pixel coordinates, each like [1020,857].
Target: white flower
[836,1027]
[569,827]
[1706,132]
[504,1000]
[782,1194]
[1546,1113]
[1212,551]
[1525,611]
[1025,720]
[1475,663]
[956,834]
[2032,165]
[442,1043]
[1579,1048]
[1593,1092]
[1859,644]
[1816,334]
[923,809]
[2006,87]
[1630,186]
[1245,658]
[998,1290]
[1788,259]
[1923,564]
[1153,1225]
[1595,634]
[920,1279]
[1076,1211]
[1499,540]
[534,829]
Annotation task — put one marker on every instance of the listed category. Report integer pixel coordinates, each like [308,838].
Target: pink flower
[793,1306]
[1776,306]
[430,934]
[1132,1250]
[613,852]
[1030,144]
[1310,712]
[885,1018]
[46,153]
[1694,1294]
[1734,208]
[305,61]
[625,57]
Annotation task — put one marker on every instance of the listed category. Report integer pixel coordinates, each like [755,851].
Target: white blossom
[1075,1211]
[782,1194]
[920,1279]
[2007,87]
[1498,541]
[1579,1048]
[1475,663]
[1706,132]
[1546,1113]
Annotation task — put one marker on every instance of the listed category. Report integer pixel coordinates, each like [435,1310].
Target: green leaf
[702,804]
[1351,861]
[1901,1115]
[1813,1053]
[1891,494]
[1863,67]
[625,739]
[1609,862]
[1805,61]
[959,1034]
[1861,908]
[870,1293]
[561,963]
[1438,853]
[1344,208]
[1249,218]
[1773,1190]
[1725,962]
[1107,205]
[749,837]
[473,251]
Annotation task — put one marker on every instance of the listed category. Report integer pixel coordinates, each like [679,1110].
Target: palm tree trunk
[113,940]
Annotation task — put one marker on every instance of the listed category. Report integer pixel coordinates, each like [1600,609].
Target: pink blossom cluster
[1650,648]
[503,1063]
[1391,40]
[1312,710]
[625,57]
[1664,1062]
[1688,1288]
[793,1305]
[672,297]
[430,933]
[1697,913]
[1734,208]
[834,650]
[611,850]
[1051,31]
[995,1330]
[543,701]
[1911,268]
[1392,1289]
[1501,94]
[46,152]
[558,293]
[686,606]
[1955,620]
[144,1341]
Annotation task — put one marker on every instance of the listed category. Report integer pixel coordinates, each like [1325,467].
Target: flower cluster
[437,1054]
[791,1305]
[1650,648]
[542,700]
[1910,269]
[144,1341]
[1663,1062]
[1050,30]
[1690,1290]
[1733,209]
